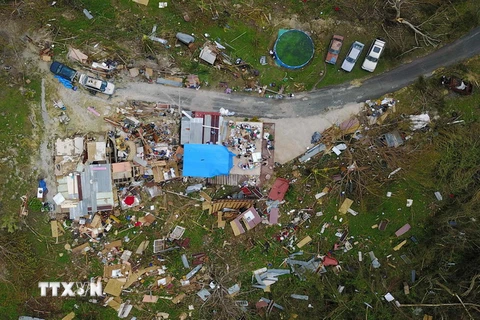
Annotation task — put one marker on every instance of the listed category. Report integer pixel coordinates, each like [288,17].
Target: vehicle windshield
[372,59]
[351,60]
[334,51]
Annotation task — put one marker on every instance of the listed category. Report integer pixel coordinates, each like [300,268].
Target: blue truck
[63,71]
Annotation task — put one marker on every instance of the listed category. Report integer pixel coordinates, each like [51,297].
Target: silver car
[352,56]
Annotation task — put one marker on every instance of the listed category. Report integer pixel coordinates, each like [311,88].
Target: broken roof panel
[279,189]
[77,55]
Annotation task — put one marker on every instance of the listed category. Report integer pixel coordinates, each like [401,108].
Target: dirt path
[45,161]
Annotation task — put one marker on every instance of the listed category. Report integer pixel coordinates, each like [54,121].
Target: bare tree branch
[427,39]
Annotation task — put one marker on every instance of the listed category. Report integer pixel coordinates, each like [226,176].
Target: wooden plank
[221,223]
[204,195]
[400,245]
[53,226]
[69,316]
[142,247]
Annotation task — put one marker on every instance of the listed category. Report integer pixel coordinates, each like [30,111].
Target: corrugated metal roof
[185,131]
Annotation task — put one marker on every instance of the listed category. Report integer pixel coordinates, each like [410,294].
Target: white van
[371,60]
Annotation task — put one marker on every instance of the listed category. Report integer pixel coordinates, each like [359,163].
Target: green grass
[16,143]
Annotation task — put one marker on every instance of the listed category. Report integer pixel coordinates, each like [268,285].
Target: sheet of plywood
[53,226]
[134,276]
[205,196]
[142,247]
[345,206]
[96,222]
[115,303]
[114,287]
[304,241]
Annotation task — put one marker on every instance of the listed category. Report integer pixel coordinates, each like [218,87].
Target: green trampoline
[293,48]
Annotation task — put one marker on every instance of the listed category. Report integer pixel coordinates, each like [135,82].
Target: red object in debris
[279,188]
[329,261]
[129,200]
[138,224]
[336,9]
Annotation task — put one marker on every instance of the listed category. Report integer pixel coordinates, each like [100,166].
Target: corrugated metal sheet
[185,131]
[207,121]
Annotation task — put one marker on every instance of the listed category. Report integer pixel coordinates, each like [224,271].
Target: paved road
[315,102]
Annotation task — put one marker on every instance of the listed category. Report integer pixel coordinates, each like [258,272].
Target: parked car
[334,49]
[63,71]
[352,56]
[95,85]
[457,85]
[371,60]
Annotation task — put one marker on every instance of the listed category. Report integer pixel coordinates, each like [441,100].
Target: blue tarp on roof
[206,160]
